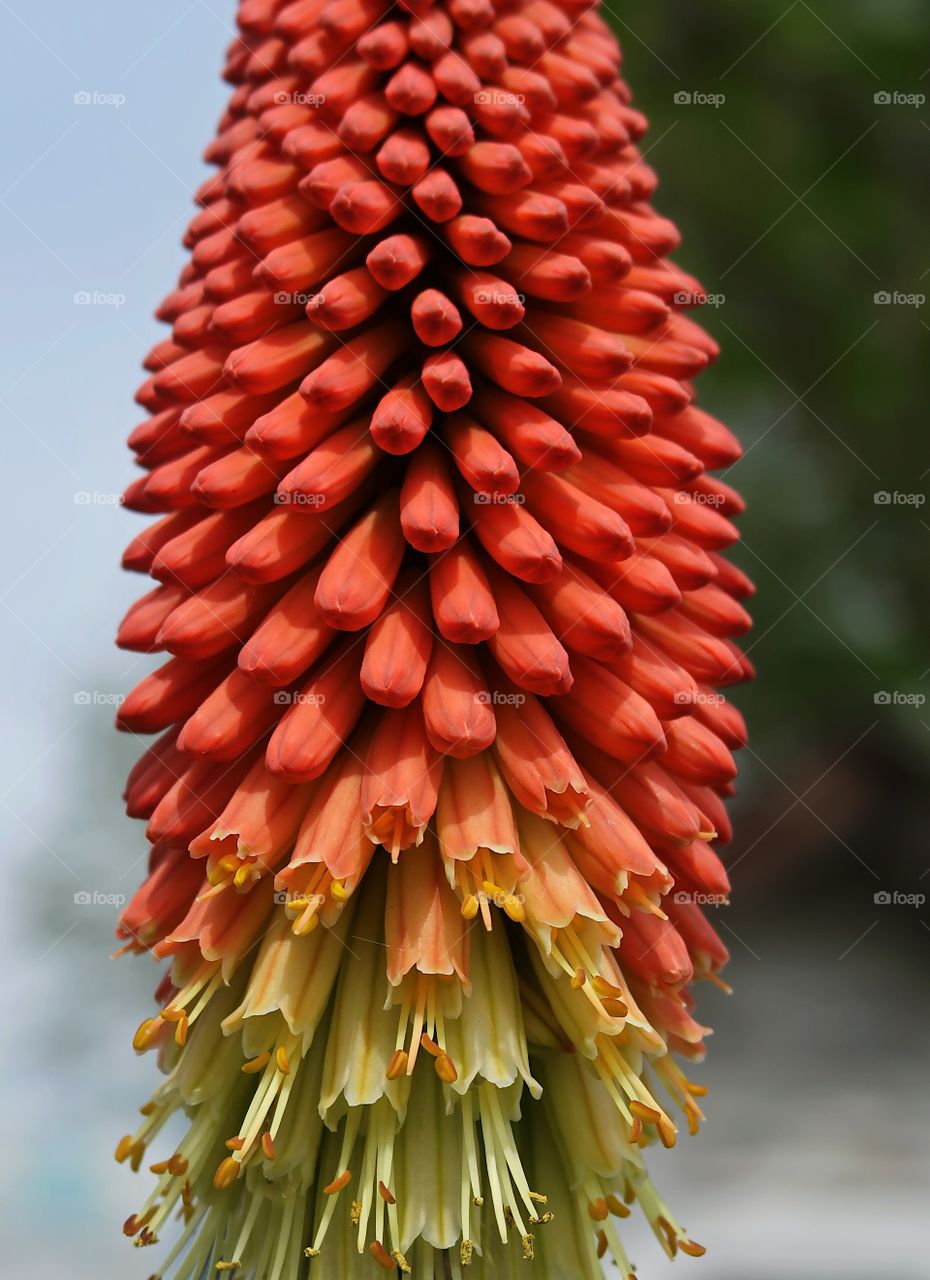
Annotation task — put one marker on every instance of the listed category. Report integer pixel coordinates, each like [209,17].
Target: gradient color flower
[441,771]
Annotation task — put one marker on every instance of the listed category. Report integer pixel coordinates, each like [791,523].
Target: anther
[601,1244]
[268,1146]
[578,979]
[445,1069]
[470,906]
[226,1173]
[691,1247]
[385,1194]
[617,1207]
[255,1065]
[235,1144]
[281,1058]
[429,1045]
[123,1148]
[381,1255]
[397,1066]
[337,1184]
[597,1210]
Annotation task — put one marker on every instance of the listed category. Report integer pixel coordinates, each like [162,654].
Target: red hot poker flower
[440,781]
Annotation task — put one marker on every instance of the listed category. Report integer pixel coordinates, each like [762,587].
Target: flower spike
[441,586]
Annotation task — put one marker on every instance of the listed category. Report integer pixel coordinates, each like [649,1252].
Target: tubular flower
[441,768]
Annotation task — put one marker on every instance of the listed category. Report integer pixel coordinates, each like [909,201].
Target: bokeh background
[792,142]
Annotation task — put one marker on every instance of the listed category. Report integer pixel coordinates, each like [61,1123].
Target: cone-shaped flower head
[439,586]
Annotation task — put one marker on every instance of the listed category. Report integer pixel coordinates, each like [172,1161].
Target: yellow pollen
[337,890]
[529,1251]
[539,1197]
[281,1058]
[338,1184]
[180,1032]
[401,1262]
[385,1194]
[226,1173]
[381,1255]
[466,1249]
[470,907]
[397,1066]
[229,1266]
[257,1064]
[268,1145]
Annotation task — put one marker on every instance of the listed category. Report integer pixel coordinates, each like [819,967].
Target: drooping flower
[442,765]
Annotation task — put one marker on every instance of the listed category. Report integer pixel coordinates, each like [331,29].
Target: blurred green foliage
[800,197]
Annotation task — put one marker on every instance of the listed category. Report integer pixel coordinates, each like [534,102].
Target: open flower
[439,791]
